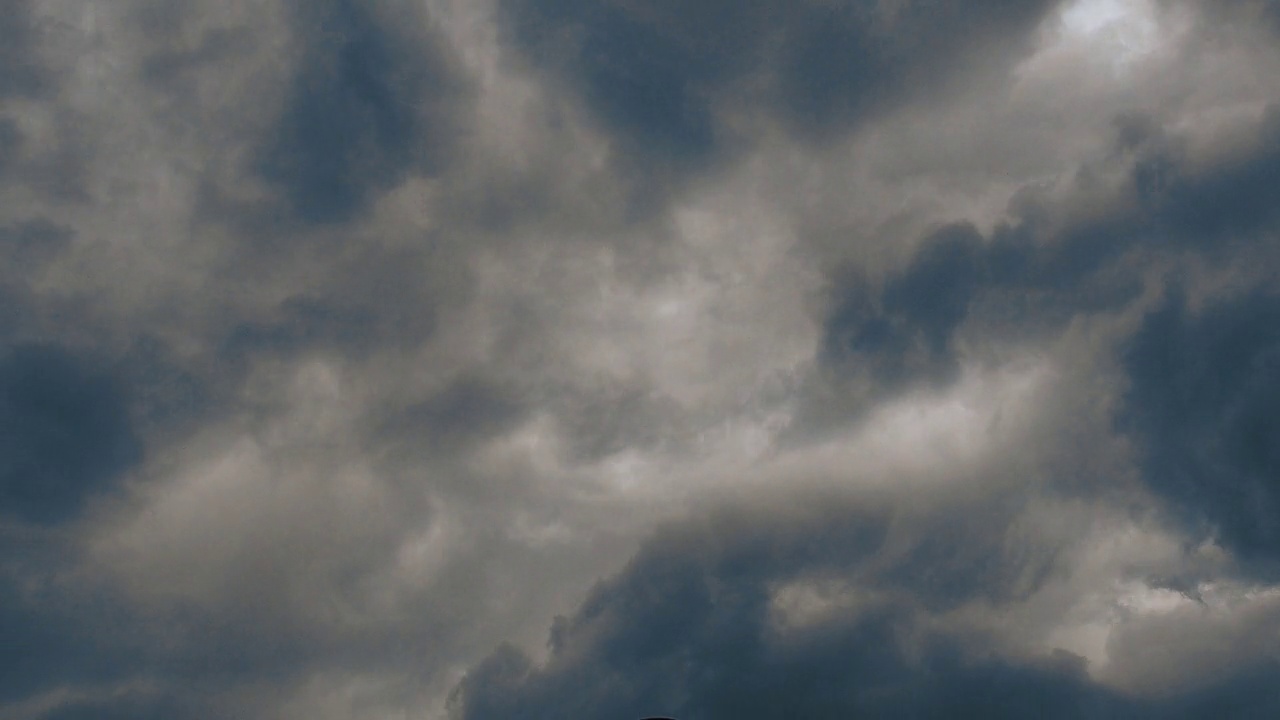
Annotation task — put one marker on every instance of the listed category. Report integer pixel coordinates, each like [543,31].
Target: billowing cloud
[1202,387]
[367,106]
[67,434]
[518,358]
[665,74]
[749,616]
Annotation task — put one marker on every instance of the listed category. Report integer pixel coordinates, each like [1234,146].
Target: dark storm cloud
[658,71]
[606,420]
[1252,693]
[10,143]
[26,248]
[1024,279]
[21,73]
[31,243]
[65,433]
[906,331]
[345,499]
[1049,262]
[1211,208]
[688,630]
[58,635]
[37,649]
[165,395]
[368,105]
[1204,388]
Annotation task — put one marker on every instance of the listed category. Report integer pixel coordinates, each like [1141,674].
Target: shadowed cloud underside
[497,359]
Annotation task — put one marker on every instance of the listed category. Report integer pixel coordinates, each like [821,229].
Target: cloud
[805,358]
[908,331]
[21,72]
[366,106]
[701,624]
[1201,385]
[1054,257]
[66,433]
[666,76]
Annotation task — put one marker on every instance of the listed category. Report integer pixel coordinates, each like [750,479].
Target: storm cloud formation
[704,624]
[366,106]
[659,73]
[1203,389]
[490,359]
[66,434]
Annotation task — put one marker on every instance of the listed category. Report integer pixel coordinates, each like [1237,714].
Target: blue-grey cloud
[906,332]
[10,143]
[64,431]
[1212,208]
[1036,271]
[343,341]
[22,73]
[659,72]
[128,707]
[30,243]
[1203,388]
[367,106]
[467,410]
[688,630]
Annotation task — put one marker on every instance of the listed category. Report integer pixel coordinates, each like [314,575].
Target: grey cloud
[1218,207]
[659,73]
[367,106]
[166,397]
[21,72]
[605,419]
[687,630]
[469,409]
[1203,388]
[65,431]
[1237,11]
[141,707]
[41,650]
[10,142]
[1052,260]
[907,331]
[340,269]
[30,244]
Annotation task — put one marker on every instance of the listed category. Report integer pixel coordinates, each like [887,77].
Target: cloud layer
[532,358]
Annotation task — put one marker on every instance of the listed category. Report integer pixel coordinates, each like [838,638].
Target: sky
[753,359]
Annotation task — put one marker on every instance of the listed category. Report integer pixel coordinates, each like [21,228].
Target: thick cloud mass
[661,72]
[366,106]
[490,359]
[692,628]
[20,70]
[1203,398]
[64,430]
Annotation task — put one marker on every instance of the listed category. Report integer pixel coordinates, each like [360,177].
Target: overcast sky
[496,359]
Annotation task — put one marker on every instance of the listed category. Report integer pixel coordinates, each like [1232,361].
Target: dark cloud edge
[687,630]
